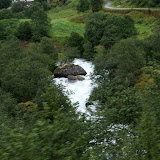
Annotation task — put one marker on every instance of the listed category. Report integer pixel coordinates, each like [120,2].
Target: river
[79,91]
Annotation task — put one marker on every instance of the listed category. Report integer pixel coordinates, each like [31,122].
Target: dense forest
[38,120]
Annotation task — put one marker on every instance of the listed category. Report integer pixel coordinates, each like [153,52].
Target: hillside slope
[136,3]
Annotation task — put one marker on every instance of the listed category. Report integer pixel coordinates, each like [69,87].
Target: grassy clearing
[62,22]
[63,27]
[143,23]
[56,14]
[143,30]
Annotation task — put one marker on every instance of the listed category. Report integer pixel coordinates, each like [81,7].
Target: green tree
[5,14]
[96,5]
[152,47]
[94,29]
[8,103]
[3,33]
[24,31]
[10,50]
[125,60]
[83,5]
[145,144]
[47,46]
[107,29]
[18,7]
[33,8]
[111,36]
[40,25]
[75,40]
[88,50]
[24,79]
[5,3]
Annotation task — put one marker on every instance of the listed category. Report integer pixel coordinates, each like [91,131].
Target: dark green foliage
[106,29]
[5,3]
[57,132]
[47,46]
[24,78]
[7,103]
[5,14]
[33,8]
[95,25]
[124,61]
[24,31]
[83,5]
[118,104]
[96,5]
[9,50]
[8,27]
[111,36]
[152,46]
[2,32]
[56,100]
[88,50]
[40,25]
[72,52]
[18,7]
[23,74]
[75,40]
[144,144]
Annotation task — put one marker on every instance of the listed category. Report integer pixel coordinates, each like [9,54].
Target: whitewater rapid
[79,91]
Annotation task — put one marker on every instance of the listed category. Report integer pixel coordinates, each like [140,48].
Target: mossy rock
[69,69]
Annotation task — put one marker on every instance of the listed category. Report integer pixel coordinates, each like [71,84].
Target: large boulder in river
[69,69]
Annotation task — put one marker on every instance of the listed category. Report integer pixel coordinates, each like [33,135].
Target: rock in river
[70,77]
[69,69]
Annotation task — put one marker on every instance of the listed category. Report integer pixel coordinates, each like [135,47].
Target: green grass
[61,26]
[24,20]
[56,14]
[143,30]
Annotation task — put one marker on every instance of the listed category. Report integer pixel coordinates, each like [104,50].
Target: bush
[75,40]
[83,5]
[18,7]
[4,3]
[24,31]
[5,14]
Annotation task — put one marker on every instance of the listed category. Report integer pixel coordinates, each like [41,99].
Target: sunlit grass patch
[79,18]
[63,27]
[53,14]
[143,30]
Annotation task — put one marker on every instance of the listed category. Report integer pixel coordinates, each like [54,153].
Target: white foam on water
[79,90]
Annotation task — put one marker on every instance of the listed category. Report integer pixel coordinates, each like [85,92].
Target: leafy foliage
[24,31]
[75,40]
[96,5]
[40,25]
[18,7]
[108,29]
[83,5]
[4,3]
